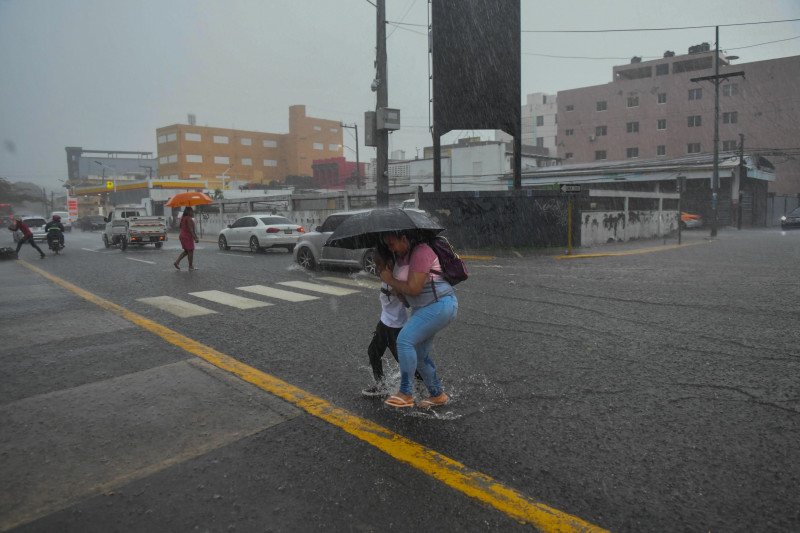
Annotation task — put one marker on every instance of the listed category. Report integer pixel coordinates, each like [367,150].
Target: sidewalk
[89,402]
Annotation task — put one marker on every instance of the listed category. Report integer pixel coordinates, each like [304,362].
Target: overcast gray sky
[104,74]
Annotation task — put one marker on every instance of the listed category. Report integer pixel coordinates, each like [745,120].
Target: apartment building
[539,122]
[221,155]
[653,110]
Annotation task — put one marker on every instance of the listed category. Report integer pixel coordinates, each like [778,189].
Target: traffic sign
[109,185]
[570,188]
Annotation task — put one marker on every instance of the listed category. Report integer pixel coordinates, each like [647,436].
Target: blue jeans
[416,340]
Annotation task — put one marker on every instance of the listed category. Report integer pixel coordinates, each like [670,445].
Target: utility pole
[716,79]
[358,162]
[382,170]
[742,176]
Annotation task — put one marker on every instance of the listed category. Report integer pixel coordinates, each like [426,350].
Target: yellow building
[220,155]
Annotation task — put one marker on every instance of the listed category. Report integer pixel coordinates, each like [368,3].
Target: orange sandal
[395,400]
[434,401]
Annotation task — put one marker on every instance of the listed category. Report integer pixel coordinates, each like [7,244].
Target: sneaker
[375,390]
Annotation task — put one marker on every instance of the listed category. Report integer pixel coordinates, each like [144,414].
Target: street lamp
[224,176]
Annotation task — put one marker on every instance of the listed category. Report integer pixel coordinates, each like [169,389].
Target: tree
[218,194]
[10,193]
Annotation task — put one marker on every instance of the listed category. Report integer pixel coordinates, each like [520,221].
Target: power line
[664,29]
[630,29]
[761,44]
[397,27]
[373,5]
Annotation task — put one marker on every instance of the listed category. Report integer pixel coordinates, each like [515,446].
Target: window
[632,152]
[602,105]
[172,158]
[192,158]
[661,149]
[693,148]
[694,121]
[270,163]
[662,69]
[172,137]
[194,137]
[220,139]
[731,89]
[662,98]
[333,147]
[222,160]
[731,117]
[633,127]
[633,101]
[569,132]
[334,130]
[599,154]
[569,108]
[477,168]
[540,142]
[246,141]
[690,65]
[568,155]
[162,160]
[319,146]
[599,131]
[246,161]
[332,222]
[695,94]
[162,139]
[317,128]
[268,143]
[245,222]
[195,176]
[662,124]
[729,146]
[540,120]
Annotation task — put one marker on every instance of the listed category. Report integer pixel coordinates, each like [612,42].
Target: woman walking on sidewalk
[188,238]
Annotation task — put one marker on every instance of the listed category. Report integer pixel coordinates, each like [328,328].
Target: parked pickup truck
[128,225]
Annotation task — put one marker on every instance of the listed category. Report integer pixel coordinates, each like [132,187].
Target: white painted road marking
[88,250]
[271,292]
[232,300]
[141,260]
[176,307]
[236,255]
[324,289]
[363,283]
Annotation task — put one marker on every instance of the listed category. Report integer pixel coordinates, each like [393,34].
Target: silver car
[36,225]
[311,251]
[259,231]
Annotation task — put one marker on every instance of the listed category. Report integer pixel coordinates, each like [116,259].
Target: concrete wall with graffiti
[599,227]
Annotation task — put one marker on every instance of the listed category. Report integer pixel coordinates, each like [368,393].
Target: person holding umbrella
[434,305]
[188,238]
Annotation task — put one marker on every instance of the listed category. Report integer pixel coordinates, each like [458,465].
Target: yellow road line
[477,257]
[450,472]
[629,252]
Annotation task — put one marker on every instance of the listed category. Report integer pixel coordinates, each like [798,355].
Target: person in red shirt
[27,235]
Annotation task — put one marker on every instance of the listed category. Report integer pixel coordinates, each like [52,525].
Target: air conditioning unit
[592,138]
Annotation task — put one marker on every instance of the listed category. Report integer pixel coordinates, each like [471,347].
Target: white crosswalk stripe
[363,283]
[176,307]
[317,287]
[272,292]
[239,302]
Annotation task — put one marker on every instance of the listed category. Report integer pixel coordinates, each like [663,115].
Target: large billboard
[475,46]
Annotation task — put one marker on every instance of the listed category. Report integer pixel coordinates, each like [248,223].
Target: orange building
[220,155]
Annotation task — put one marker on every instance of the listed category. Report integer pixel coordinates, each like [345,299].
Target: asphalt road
[651,392]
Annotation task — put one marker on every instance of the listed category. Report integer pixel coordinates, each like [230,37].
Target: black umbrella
[364,230]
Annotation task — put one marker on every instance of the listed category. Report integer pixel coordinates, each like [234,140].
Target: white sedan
[259,231]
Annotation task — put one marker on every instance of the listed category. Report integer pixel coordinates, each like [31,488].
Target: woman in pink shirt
[188,238]
[434,305]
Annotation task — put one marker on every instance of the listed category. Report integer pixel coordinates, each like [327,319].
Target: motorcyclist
[55,229]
